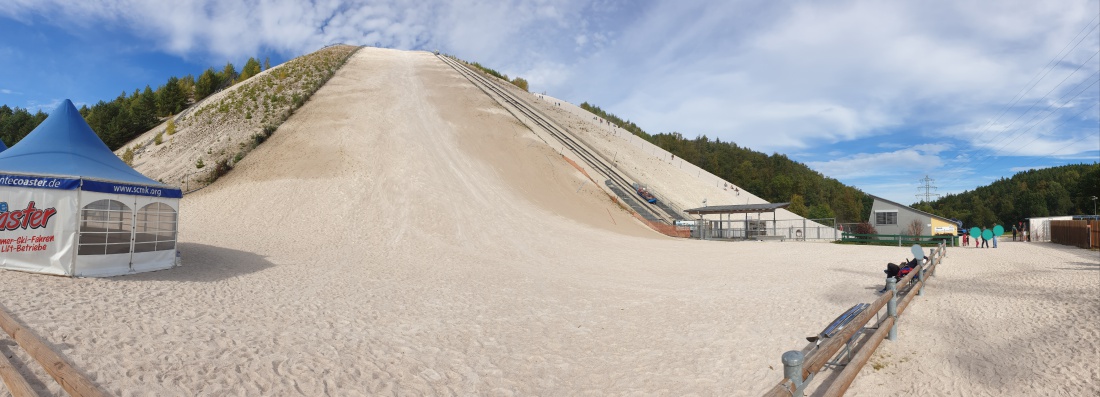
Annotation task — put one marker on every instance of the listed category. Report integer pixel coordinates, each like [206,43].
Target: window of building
[105,228]
[155,228]
[886,217]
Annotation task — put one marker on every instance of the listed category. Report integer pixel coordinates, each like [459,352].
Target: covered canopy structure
[738,209]
[752,227]
[69,206]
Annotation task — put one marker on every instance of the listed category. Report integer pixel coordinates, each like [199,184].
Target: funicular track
[616,182]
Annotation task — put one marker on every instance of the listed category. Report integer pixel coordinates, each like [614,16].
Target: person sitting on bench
[899,272]
[892,270]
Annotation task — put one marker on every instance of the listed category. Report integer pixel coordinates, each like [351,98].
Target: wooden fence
[74,382]
[800,367]
[1082,234]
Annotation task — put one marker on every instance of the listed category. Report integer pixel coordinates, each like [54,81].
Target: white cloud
[35,106]
[1035,167]
[581,40]
[779,78]
[229,29]
[865,165]
[770,76]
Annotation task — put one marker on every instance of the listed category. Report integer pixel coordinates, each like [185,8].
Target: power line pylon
[927,188]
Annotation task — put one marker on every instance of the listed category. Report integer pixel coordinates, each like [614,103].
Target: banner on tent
[40,182]
[132,190]
[37,229]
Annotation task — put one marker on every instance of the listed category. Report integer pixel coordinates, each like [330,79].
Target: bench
[839,323]
[834,328]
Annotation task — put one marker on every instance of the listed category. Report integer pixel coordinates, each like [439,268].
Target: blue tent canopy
[65,146]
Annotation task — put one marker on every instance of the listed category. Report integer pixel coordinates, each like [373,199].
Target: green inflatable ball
[998,230]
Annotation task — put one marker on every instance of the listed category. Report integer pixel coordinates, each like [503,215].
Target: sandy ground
[1019,320]
[401,235]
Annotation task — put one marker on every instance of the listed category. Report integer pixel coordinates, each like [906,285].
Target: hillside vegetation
[196,147]
[518,81]
[1056,191]
[127,116]
[774,178]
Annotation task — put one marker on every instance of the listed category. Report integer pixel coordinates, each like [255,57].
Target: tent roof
[2,147]
[64,145]
[737,209]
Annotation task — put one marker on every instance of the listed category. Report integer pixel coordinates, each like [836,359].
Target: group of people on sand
[1023,233]
[980,241]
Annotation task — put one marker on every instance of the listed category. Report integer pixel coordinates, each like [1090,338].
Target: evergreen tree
[228,75]
[144,107]
[170,99]
[267,63]
[187,87]
[208,83]
[251,68]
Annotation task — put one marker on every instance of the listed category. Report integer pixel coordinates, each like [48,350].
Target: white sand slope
[402,235]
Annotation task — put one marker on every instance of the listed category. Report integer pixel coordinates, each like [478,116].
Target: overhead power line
[928,188]
[1044,72]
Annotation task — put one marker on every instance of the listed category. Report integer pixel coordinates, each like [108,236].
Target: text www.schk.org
[137,190]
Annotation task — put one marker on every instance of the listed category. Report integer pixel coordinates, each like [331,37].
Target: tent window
[886,217]
[155,229]
[105,228]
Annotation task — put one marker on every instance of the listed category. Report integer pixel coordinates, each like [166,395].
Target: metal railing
[801,366]
[782,229]
[529,113]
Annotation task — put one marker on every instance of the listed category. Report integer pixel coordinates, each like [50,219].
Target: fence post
[792,369]
[892,306]
[920,273]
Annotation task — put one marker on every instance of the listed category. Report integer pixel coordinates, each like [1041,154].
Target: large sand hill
[403,235]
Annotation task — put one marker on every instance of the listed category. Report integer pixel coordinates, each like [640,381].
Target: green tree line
[129,115]
[1056,191]
[17,123]
[774,177]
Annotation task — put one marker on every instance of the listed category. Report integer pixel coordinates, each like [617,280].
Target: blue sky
[877,94]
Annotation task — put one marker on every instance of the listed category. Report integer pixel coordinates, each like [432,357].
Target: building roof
[737,209]
[913,209]
[64,145]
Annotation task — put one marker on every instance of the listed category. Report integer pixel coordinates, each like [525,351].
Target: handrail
[817,358]
[71,380]
[850,371]
[821,355]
